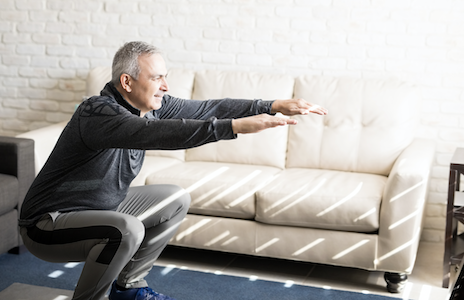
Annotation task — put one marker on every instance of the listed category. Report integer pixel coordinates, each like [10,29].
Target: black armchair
[16,175]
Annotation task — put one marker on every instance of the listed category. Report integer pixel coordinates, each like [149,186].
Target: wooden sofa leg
[395,281]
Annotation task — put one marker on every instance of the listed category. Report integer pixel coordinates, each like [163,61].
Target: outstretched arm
[293,107]
[176,108]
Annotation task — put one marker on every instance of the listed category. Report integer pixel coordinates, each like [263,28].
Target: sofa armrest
[402,207]
[45,139]
[17,155]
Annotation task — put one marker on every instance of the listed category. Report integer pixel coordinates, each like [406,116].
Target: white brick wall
[48,46]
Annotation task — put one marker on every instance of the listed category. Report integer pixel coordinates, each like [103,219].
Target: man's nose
[164,85]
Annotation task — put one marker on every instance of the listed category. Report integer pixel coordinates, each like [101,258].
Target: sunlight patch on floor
[327,287]
[253,278]
[55,274]
[168,269]
[289,283]
[425,292]
[407,290]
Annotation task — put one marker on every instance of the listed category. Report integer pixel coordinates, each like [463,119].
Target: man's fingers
[298,106]
[258,123]
[314,107]
[274,121]
[278,121]
[291,122]
[318,110]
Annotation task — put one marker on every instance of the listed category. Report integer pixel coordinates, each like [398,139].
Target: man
[80,206]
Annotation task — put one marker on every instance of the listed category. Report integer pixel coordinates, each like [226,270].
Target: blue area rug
[177,283]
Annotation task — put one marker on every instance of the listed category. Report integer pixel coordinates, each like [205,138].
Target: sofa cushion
[9,189]
[152,164]
[96,80]
[369,123]
[218,189]
[215,233]
[265,148]
[322,199]
[245,85]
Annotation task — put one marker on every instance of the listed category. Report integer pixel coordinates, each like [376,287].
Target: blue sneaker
[145,293]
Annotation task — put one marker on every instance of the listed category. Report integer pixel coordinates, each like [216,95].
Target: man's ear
[126,82]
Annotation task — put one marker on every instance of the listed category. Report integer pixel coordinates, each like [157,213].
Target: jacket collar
[111,91]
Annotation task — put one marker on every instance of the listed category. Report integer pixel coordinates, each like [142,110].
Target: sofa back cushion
[96,80]
[369,123]
[180,85]
[267,148]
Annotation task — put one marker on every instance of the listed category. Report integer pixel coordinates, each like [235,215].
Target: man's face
[148,90]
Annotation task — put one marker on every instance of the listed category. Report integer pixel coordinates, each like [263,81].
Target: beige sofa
[346,189]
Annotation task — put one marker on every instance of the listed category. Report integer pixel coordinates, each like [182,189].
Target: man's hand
[258,123]
[293,107]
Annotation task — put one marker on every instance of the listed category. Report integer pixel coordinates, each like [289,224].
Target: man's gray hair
[125,60]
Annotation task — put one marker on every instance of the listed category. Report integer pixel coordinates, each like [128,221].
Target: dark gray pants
[123,243]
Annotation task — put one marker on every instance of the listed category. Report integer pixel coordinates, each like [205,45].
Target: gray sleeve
[174,108]
[108,125]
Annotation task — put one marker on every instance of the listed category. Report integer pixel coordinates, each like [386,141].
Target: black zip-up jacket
[102,148]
